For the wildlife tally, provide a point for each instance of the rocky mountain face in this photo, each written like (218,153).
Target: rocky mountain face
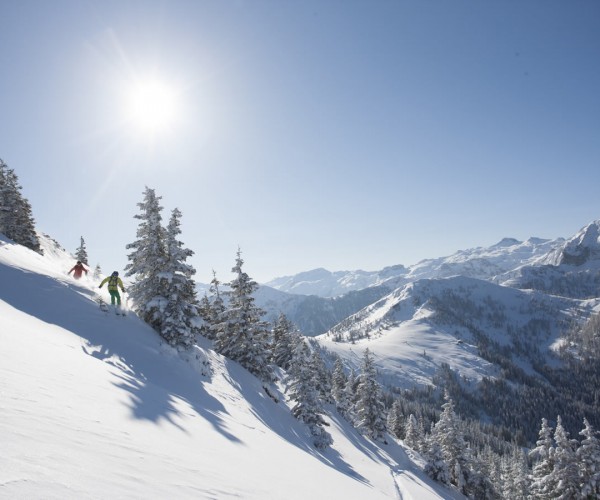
(571,270)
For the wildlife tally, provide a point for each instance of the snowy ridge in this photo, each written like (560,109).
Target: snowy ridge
(324,283)
(572,269)
(481,262)
(416,328)
(97,406)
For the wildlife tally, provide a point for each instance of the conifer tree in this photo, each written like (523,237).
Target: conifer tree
(16,219)
(339,380)
(369,408)
(395,420)
(181,309)
(322,376)
(97,272)
(213,311)
(204,311)
(565,475)
(412,436)
(303,392)
(588,457)
(543,456)
(448,434)
(81,252)
(242,335)
(147,262)
(436,466)
(515,473)
(351,396)
(283,341)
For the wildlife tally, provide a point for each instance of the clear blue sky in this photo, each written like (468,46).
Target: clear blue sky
(338,134)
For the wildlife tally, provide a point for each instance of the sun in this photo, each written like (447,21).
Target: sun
(152,106)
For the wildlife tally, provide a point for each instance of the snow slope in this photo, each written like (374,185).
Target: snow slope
(417,328)
(93,405)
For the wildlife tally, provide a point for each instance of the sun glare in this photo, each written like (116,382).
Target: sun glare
(152,106)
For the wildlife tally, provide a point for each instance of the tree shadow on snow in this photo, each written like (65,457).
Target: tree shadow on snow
(157,390)
(277,417)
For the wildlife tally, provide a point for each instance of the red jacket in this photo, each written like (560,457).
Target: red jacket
(79,269)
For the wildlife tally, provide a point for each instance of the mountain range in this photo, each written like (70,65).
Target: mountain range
(493,319)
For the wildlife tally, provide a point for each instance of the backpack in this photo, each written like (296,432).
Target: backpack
(113,281)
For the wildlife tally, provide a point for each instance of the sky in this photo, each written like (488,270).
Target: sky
(338,134)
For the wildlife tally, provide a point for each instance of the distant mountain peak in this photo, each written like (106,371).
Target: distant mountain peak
(583,247)
(507,242)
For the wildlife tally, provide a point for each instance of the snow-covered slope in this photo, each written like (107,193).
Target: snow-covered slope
(419,327)
(572,269)
(95,406)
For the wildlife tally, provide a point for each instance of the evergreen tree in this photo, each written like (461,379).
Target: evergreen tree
(565,474)
(369,406)
(515,473)
(148,261)
(97,272)
(543,456)
(303,392)
(283,342)
(339,380)
(322,376)
(351,396)
(204,311)
(395,420)
(213,311)
(181,308)
(412,436)
(16,219)
(448,434)
(436,466)
(588,456)
(242,336)
(81,253)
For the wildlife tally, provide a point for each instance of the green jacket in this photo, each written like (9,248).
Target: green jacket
(114,282)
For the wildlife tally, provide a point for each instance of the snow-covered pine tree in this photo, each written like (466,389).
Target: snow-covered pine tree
(369,408)
(565,475)
(212,311)
(181,310)
(588,457)
(515,476)
(395,420)
(16,219)
(351,396)
(97,272)
(436,466)
(242,335)
(448,434)
(339,380)
(81,252)
(147,262)
(322,376)
(543,457)
(412,435)
(204,311)
(483,475)
(303,392)
(283,342)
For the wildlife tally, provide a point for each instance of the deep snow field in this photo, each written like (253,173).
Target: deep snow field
(94,405)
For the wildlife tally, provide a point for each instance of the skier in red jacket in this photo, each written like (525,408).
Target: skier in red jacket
(78,270)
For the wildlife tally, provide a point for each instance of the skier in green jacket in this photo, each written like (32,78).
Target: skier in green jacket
(114,283)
